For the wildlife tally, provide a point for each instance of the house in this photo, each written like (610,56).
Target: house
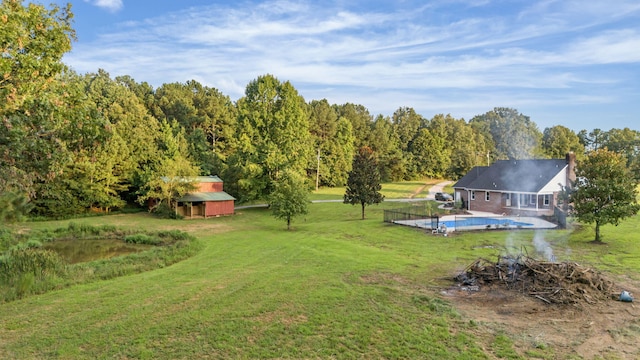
(516,187)
(209,199)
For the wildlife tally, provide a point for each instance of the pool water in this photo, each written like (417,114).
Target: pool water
(481,221)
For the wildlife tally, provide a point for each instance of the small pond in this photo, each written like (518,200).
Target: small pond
(82,250)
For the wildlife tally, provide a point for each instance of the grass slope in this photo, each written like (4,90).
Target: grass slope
(334,287)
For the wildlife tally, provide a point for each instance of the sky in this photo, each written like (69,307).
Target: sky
(573,63)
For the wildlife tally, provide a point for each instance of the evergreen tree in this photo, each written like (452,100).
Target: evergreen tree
(363,184)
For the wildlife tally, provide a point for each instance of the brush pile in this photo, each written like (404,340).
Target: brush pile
(551,282)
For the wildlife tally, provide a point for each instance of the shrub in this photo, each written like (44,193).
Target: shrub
(174,234)
(39,262)
(165,211)
(6,239)
(142,239)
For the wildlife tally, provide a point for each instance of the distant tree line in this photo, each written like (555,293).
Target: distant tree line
(70,143)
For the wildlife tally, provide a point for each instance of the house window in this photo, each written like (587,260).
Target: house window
(547,200)
(473,195)
(486,195)
(532,199)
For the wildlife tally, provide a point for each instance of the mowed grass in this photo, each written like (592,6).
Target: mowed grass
(393,190)
(333,287)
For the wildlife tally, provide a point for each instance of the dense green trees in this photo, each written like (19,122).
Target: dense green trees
(33,40)
(514,135)
(71,143)
(272,134)
(332,141)
(558,140)
(605,190)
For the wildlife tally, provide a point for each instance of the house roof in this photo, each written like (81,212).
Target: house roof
(206,196)
(513,175)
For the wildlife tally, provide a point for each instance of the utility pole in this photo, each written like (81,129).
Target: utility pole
(318,169)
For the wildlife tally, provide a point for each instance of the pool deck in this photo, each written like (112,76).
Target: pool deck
(537,223)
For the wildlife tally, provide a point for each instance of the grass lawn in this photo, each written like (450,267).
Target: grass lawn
(333,287)
(394,190)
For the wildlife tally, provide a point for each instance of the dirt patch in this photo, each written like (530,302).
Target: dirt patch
(607,329)
(198,226)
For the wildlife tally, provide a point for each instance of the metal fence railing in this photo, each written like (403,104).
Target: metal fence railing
(415,212)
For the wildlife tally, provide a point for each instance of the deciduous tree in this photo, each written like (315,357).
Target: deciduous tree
(559,140)
(273,135)
(515,136)
(604,191)
(290,197)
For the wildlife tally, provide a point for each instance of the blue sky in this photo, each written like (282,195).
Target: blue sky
(574,63)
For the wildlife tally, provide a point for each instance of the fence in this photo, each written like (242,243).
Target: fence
(415,212)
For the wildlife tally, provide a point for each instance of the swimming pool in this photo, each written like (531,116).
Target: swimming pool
(481,221)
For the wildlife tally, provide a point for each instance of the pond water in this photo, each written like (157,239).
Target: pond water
(77,251)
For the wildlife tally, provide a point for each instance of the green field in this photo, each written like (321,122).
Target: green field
(333,287)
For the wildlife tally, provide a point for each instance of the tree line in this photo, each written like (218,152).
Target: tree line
(72,143)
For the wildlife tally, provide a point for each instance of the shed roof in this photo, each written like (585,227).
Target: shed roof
(513,175)
(206,196)
(197,179)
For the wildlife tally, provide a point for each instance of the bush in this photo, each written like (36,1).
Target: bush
(174,234)
(6,239)
(142,239)
(39,262)
(165,211)
(85,230)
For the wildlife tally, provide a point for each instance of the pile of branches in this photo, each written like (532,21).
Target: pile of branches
(551,282)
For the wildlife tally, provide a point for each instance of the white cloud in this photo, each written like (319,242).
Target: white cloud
(384,59)
(110,5)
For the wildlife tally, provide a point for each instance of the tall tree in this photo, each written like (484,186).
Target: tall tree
(392,163)
(559,140)
(139,131)
(363,185)
(592,140)
(465,145)
(332,140)
(361,122)
(208,116)
(273,134)
(406,123)
(605,190)
(171,177)
(33,40)
(515,136)
(430,154)
(627,143)
(290,197)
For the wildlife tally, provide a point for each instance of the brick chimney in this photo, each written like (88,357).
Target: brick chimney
(571,168)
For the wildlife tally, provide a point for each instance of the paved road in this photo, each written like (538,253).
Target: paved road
(431,196)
